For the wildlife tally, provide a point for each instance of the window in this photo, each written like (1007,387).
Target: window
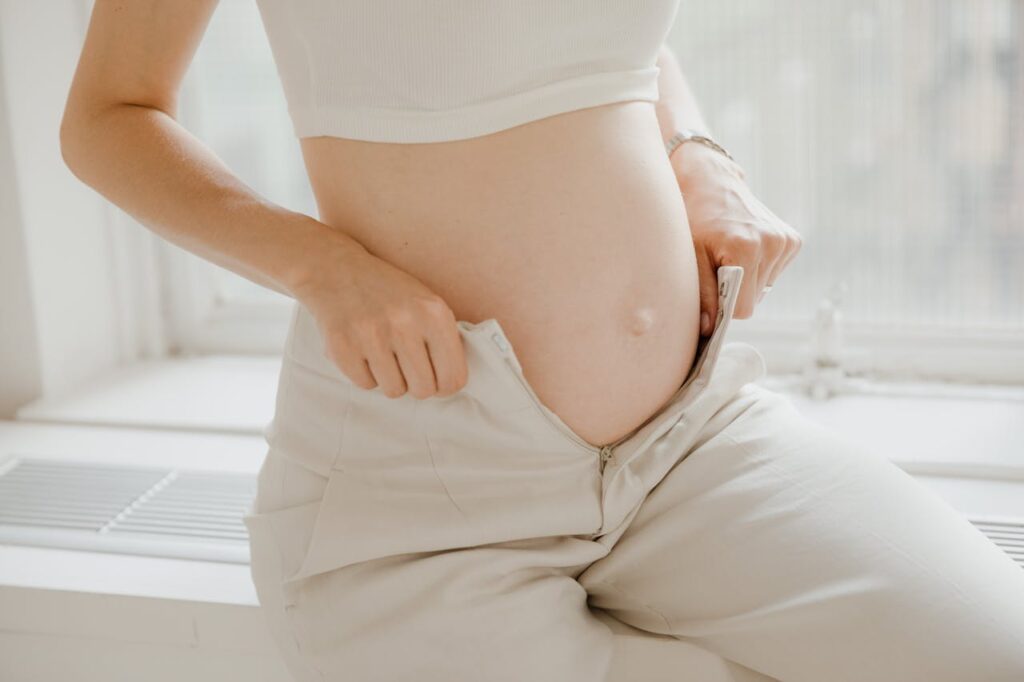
(232,100)
(888,132)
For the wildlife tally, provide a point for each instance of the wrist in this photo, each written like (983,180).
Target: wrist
(321,251)
(693,163)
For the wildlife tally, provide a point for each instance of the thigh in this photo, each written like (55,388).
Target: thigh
(783,547)
(505,612)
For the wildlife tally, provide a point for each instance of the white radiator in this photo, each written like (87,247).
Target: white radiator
(125,509)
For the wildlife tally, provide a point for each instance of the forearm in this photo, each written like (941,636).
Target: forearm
(145,162)
(676,109)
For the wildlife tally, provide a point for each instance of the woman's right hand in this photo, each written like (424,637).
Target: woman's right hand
(383,327)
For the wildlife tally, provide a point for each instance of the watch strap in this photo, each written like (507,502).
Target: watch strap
(688,135)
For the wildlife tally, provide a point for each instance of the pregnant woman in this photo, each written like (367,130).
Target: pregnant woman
(499,412)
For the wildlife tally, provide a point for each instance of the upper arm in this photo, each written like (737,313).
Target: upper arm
(136,52)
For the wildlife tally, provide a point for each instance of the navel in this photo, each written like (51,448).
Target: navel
(641,321)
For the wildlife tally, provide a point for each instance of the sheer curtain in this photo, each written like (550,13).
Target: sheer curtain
(889,133)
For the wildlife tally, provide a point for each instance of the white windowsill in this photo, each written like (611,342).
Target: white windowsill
(939,429)
(213,393)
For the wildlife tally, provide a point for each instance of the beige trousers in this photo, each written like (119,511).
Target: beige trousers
(476,538)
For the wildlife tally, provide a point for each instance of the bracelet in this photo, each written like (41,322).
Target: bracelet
(687,135)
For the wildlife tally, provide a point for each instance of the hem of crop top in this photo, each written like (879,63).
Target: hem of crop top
(404,126)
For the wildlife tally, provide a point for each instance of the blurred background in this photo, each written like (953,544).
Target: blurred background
(890,133)
(136,379)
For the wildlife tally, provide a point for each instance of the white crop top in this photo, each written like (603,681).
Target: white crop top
(435,70)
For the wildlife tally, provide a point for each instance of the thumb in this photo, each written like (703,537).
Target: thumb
(707,273)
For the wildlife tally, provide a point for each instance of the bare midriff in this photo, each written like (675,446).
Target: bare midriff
(569,230)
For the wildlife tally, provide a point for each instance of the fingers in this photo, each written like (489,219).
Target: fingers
(749,289)
(773,246)
(706,271)
(351,362)
(384,328)
(794,242)
(763,255)
(423,359)
(780,248)
(414,363)
(444,344)
(386,372)
(744,250)
(423,367)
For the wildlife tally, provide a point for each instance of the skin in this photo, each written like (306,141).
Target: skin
(594,251)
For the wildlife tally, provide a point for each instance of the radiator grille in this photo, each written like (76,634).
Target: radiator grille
(175,513)
(1008,534)
(125,509)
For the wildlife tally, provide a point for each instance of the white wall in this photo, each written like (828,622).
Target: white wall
(20,379)
(62,243)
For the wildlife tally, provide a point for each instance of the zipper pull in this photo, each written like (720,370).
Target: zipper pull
(499,341)
(606,453)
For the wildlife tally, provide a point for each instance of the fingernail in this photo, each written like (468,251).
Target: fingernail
(705,323)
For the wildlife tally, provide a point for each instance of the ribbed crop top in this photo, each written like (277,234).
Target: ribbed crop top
(436,70)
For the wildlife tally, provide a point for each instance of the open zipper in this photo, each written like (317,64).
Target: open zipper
(704,348)
(604,452)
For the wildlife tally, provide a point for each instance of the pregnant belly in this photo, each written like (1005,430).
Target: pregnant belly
(569,230)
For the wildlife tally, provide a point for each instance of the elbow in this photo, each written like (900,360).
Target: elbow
(88,128)
(70,140)
(78,128)
(65,151)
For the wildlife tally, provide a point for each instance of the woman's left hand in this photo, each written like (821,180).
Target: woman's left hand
(730,226)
